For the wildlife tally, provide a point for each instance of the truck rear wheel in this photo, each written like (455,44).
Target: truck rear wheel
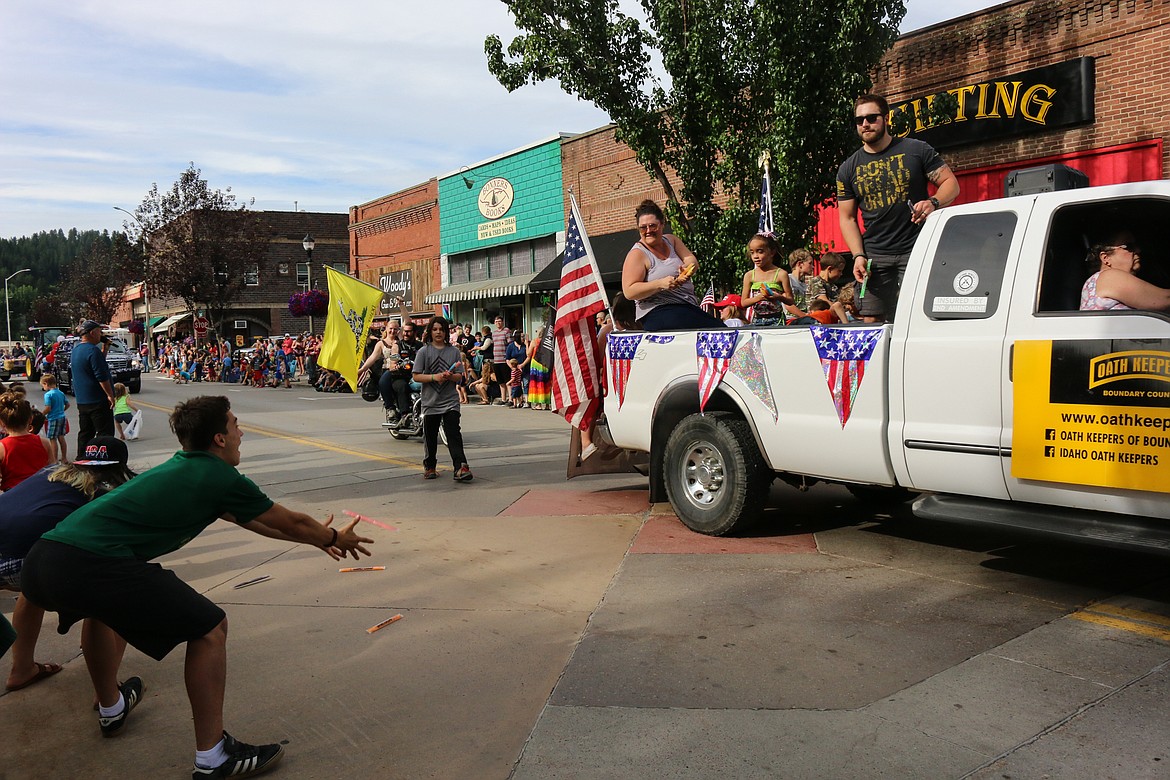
(715,477)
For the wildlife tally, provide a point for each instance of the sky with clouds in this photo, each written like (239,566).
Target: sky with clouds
(321,105)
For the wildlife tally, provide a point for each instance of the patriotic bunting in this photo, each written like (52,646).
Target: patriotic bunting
(655,339)
(844,353)
(621,349)
(713,350)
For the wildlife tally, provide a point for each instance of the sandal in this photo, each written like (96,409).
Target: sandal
(43,670)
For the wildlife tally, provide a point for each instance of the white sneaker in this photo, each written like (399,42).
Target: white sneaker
(588,452)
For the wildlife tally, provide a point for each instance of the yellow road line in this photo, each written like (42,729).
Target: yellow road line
(1132,614)
(1123,625)
(308,442)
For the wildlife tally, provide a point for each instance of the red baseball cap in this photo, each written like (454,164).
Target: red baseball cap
(730,300)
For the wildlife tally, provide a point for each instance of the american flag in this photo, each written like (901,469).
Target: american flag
(708,302)
(621,349)
(844,353)
(766,224)
(714,350)
(576,383)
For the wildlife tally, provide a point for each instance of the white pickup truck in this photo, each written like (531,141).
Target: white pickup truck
(991,399)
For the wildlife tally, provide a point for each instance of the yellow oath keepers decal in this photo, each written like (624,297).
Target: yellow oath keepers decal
(1093,412)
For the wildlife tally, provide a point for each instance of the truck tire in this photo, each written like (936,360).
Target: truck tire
(715,478)
(134,386)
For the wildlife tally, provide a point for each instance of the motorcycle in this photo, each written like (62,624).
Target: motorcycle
(410,424)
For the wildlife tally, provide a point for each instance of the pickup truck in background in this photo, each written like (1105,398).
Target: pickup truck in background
(125,364)
(992,399)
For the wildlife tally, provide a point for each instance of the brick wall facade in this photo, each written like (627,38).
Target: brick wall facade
(399,232)
(264,306)
(1129,40)
(607,180)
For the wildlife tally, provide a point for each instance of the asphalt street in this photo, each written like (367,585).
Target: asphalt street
(567,629)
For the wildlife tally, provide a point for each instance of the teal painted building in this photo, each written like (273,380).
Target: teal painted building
(501,221)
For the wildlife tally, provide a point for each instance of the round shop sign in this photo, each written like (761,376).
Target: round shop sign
(966,282)
(496,198)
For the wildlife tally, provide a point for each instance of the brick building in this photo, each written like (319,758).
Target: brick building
(502,222)
(261,308)
(394,244)
(609,183)
(1077,82)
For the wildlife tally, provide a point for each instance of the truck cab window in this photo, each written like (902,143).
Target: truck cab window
(1075,228)
(966,279)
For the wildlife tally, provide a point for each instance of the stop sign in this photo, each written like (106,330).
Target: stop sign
(201,324)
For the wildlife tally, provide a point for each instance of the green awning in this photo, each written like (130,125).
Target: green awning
(155,321)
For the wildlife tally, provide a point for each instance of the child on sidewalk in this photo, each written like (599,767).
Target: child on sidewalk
(55,405)
(123,409)
(515,381)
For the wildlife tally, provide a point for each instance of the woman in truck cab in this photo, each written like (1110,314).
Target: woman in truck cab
(1114,283)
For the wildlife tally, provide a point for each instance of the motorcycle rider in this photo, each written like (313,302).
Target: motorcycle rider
(400,370)
(395,350)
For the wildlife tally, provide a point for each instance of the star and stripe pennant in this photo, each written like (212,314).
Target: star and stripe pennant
(576,382)
(621,350)
(844,353)
(713,350)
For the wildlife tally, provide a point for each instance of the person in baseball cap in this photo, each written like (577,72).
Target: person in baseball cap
(731,310)
(103,451)
(33,508)
(87,326)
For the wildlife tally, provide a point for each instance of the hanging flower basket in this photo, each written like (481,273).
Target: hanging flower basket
(313,303)
(136,327)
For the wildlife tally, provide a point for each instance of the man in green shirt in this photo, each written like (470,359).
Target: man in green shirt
(95,566)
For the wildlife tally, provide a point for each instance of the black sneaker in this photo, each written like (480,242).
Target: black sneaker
(243,760)
(463,474)
(132,693)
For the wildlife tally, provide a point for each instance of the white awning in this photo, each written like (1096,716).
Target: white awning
(488,288)
(169,321)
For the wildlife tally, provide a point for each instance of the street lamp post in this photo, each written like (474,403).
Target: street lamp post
(150,356)
(308,244)
(7,315)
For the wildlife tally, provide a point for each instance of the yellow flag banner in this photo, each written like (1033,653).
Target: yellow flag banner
(353,304)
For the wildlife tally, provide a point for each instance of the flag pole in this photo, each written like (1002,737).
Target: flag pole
(767,224)
(355,278)
(588,248)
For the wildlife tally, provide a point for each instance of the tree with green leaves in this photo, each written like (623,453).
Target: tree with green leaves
(743,77)
(94,282)
(201,244)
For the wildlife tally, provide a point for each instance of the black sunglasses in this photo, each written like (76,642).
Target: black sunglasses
(871,118)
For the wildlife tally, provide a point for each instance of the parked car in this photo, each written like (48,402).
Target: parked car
(125,364)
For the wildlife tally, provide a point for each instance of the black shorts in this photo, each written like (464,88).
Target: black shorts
(149,606)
